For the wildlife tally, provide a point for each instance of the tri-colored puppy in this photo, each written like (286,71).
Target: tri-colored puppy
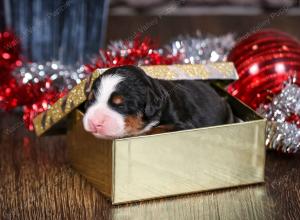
(124,101)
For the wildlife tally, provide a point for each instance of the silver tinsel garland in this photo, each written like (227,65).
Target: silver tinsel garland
(200,49)
(283,135)
(63,76)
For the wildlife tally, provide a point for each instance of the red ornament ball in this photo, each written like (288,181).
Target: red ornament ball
(264,61)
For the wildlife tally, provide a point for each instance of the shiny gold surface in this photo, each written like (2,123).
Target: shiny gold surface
(163,165)
(189,161)
(59,110)
(220,70)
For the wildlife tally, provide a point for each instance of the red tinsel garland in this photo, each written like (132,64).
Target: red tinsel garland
(138,52)
(33,97)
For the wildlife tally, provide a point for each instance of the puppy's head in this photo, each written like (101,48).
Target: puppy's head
(123,101)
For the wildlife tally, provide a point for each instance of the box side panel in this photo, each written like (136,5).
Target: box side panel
(189,161)
(90,156)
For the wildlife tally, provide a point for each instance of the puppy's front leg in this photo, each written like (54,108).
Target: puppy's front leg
(161,129)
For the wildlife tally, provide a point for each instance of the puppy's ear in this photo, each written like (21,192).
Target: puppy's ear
(89,93)
(154,103)
(88,85)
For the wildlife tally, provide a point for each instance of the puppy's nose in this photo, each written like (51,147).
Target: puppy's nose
(94,125)
(99,125)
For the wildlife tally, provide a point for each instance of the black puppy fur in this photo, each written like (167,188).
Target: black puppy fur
(180,104)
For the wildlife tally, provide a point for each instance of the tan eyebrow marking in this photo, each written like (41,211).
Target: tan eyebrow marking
(117,99)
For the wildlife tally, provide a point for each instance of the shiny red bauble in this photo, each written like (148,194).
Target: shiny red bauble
(264,61)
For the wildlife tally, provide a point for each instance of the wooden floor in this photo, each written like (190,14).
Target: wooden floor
(36,181)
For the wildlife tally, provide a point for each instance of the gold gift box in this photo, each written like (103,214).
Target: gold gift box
(168,164)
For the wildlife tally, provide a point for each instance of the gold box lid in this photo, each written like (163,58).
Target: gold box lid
(48,120)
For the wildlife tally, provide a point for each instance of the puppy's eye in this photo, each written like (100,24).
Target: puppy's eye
(117,99)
